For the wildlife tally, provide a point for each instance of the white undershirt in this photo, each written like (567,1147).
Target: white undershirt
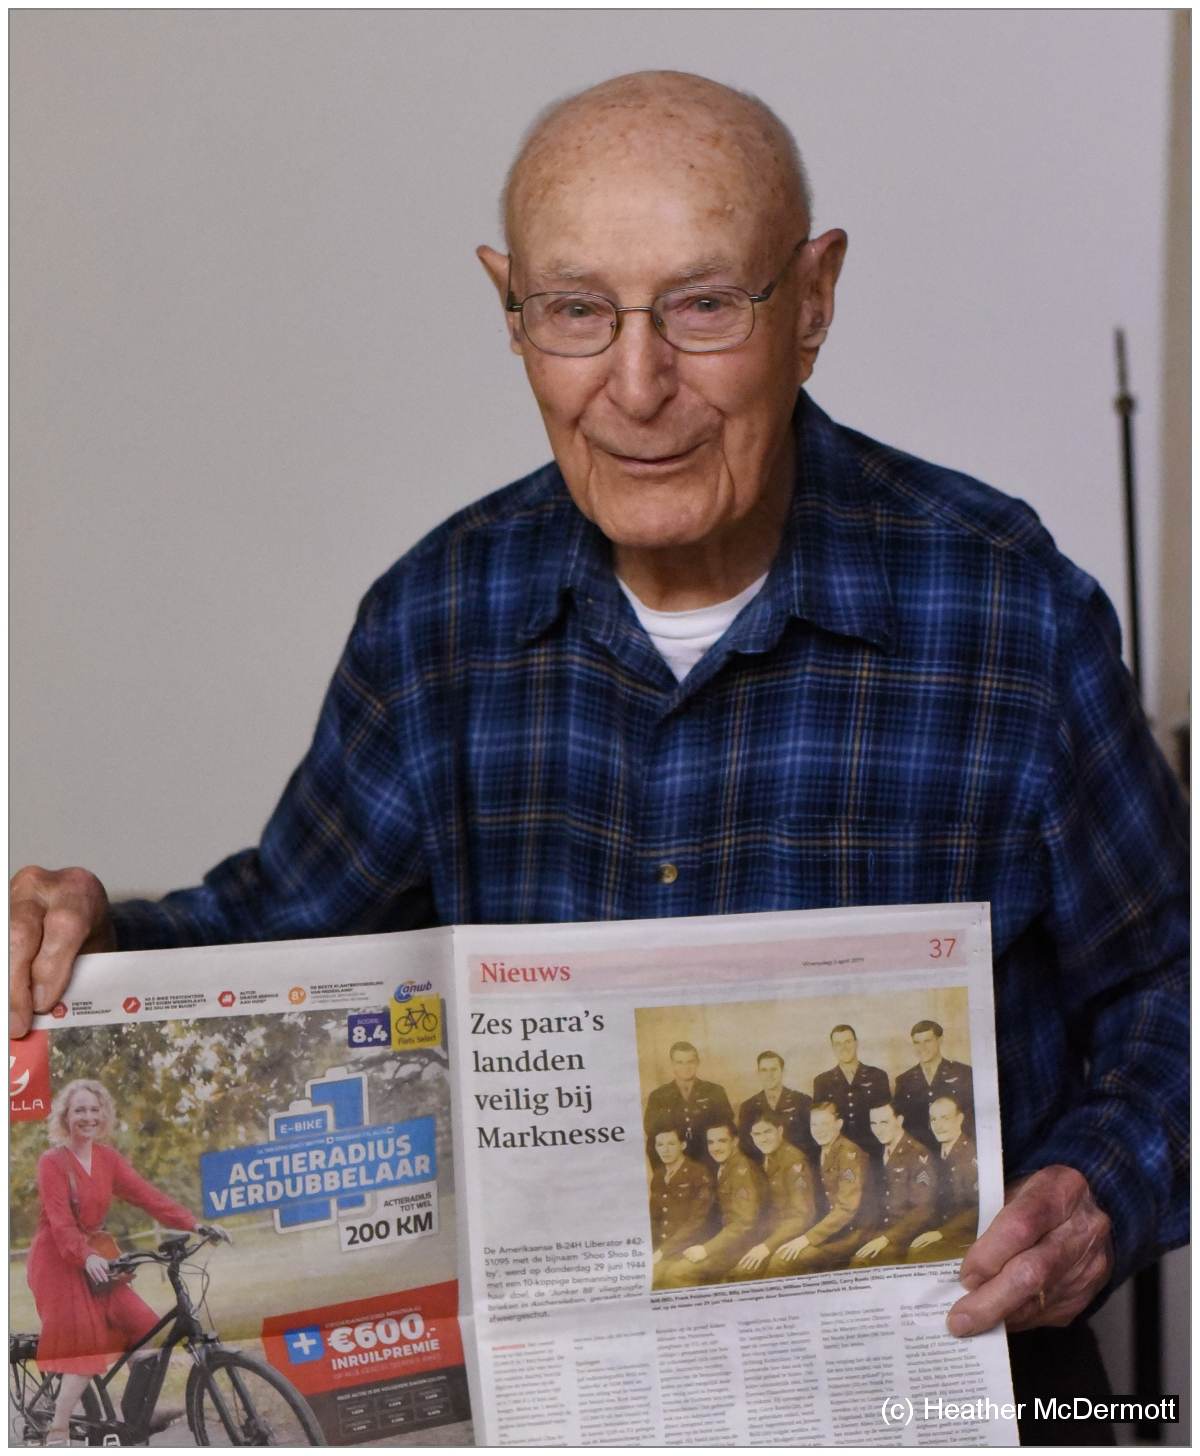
(684,637)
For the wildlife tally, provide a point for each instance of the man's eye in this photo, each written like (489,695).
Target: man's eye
(572,310)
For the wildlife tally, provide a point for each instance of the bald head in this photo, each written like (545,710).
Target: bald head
(701,124)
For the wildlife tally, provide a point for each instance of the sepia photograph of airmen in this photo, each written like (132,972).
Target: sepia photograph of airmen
(686,1102)
(741,1200)
(845,1170)
(957,1187)
(791,1207)
(874,1194)
(905,1203)
(792,1106)
(681,1197)
(853,1088)
(933,1076)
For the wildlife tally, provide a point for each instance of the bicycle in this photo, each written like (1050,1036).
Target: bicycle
(417,1018)
(232,1399)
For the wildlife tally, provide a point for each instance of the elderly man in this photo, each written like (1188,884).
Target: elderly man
(726,655)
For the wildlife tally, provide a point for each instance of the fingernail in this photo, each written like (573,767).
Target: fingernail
(960,1324)
(42,1000)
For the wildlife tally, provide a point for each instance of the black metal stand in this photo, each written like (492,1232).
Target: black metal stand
(1147,1285)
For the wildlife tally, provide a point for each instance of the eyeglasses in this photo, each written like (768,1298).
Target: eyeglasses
(696,320)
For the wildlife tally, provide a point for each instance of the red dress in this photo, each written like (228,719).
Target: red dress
(84,1332)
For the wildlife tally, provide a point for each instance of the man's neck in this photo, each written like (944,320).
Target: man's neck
(948,1147)
(931,1068)
(850,1071)
(686,1089)
(773,1095)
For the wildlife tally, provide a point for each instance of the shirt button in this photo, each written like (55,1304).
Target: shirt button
(667,874)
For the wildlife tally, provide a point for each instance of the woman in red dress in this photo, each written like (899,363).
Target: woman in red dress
(87,1320)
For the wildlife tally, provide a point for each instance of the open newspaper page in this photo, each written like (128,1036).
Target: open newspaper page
(293,1096)
(720,1174)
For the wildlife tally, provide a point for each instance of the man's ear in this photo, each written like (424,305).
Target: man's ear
(822,266)
(495,265)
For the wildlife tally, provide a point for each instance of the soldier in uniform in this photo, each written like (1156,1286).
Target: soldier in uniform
(853,1088)
(933,1076)
(681,1198)
(687,1102)
(844,1172)
(791,1195)
(958,1187)
(741,1198)
(794,1107)
(907,1191)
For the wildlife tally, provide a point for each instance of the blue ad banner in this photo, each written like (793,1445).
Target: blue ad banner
(297,1170)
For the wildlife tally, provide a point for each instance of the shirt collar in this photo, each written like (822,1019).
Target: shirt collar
(828,569)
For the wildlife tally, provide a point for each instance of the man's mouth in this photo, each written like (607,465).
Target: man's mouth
(646,461)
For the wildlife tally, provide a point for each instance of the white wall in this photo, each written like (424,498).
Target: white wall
(253,357)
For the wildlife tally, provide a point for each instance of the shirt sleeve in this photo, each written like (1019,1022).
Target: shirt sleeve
(1114,828)
(845,1203)
(133,1188)
(341,854)
(54,1190)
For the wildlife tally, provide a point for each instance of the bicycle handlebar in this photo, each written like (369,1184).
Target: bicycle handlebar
(170,1251)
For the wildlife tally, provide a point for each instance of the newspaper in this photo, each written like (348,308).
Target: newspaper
(577,1171)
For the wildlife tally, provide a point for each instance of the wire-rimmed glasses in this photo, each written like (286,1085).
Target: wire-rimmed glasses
(697,319)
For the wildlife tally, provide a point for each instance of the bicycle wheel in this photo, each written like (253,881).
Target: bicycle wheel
(31,1400)
(237,1400)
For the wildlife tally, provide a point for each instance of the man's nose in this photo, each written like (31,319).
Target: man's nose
(642,367)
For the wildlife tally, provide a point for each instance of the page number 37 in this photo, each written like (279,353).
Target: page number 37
(941,947)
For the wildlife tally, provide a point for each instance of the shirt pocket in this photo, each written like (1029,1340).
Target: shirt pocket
(831,861)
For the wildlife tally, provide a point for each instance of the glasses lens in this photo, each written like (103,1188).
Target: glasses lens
(569,323)
(702,319)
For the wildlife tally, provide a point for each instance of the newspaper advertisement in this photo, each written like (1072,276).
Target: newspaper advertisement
(682,1182)
(725,1200)
(292,1099)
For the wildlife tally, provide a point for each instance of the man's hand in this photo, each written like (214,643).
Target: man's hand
(793,1248)
(754,1259)
(54,915)
(923,1241)
(1046,1256)
(872,1247)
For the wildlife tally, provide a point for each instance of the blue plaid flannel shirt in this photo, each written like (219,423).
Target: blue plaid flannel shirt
(924,703)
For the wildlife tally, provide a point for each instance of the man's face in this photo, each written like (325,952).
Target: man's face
(661,448)
(770,1073)
(885,1125)
(684,1066)
(825,1127)
(927,1045)
(720,1143)
(845,1047)
(767,1136)
(945,1120)
(669,1148)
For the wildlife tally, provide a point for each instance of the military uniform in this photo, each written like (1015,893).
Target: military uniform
(679,1207)
(914,1093)
(845,1170)
(907,1199)
(854,1100)
(667,1106)
(957,1201)
(741,1199)
(791,1203)
(793,1107)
